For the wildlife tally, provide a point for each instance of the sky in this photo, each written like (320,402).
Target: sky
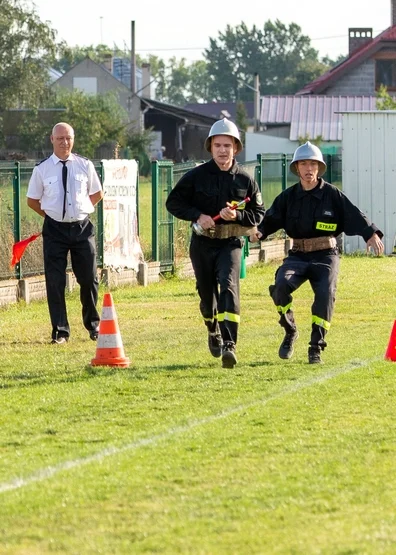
(182,29)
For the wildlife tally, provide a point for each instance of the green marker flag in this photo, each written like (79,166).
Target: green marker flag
(245,254)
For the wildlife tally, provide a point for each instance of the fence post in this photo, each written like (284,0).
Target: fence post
(154,210)
(17,212)
(170,183)
(259,172)
(330,168)
(284,172)
(100,231)
(137,198)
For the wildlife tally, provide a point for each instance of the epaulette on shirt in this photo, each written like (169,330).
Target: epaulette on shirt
(41,161)
(79,155)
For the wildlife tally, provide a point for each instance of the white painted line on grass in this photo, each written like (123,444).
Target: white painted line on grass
(50,471)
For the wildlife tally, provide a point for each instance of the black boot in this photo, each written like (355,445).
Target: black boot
(228,358)
(215,343)
(286,348)
(314,355)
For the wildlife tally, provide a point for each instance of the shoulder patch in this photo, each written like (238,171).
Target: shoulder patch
(41,161)
(259,199)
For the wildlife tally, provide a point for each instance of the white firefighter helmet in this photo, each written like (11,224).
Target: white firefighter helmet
(308,151)
(224,127)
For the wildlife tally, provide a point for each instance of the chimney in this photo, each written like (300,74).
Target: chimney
(146,78)
(358,36)
(108,62)
(393,12)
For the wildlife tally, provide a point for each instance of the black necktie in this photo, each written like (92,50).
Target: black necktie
(64,181)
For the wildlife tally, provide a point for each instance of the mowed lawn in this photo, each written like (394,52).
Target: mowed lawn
(177,455)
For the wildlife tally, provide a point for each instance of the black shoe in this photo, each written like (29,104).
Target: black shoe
(215,343)
(60,340)
(314,355)
(228,357)
(286,348)
(94,334)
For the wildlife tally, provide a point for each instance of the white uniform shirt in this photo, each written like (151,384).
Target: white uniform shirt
(46,186)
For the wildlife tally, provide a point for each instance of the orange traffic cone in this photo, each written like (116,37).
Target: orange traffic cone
(391,350)
(110,351)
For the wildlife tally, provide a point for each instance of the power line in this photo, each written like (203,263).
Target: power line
(170,49)
(175,49)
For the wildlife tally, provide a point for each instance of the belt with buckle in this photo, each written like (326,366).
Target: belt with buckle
(225,231)
(314,244)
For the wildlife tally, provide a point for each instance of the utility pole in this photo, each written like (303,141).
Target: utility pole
(133,59)
(256,103)
(101,29)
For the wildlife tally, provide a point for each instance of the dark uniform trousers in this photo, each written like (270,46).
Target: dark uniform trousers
(58,239)
(217,265)
(320,268)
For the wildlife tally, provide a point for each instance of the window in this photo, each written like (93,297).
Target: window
(86,84)
(385,74)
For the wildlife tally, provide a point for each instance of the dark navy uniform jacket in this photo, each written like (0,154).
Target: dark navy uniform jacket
(206,190)
(320,212)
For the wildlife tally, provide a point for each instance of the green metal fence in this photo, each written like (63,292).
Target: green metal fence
(170,237)
(18,221)
(275,175)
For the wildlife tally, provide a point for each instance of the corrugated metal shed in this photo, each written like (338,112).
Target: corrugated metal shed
(312,115)
(369,171)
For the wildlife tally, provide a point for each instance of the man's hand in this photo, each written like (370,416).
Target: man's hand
(376,244)
(206,222)
(228,213)
(255,237)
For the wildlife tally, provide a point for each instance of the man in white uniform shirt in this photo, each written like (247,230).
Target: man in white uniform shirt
(64,189)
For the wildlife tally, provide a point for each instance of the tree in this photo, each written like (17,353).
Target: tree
(384,100)
(198,87)
(27,48)
(281,54)
(138,145)
(95,119)
(179,83)
(318,140)
(306,71)
(69,56)
(33,131)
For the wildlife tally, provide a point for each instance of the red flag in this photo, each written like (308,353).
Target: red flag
(19,248)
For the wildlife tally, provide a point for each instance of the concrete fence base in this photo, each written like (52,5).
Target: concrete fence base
(33,288)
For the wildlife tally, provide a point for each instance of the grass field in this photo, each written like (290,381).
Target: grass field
(145,219)
(177,455)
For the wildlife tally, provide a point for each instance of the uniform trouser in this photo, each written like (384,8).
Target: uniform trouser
(217,266)
(59,239)
(321,270)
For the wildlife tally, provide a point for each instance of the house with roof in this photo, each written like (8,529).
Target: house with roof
(314,111)
(178,133)
(93,78)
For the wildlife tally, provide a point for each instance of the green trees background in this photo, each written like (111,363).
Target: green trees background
(281,55)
